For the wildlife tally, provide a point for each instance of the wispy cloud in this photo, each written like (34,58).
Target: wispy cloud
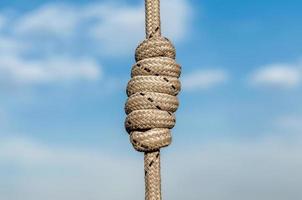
(11,46)
(177,18)
(204,79)
(15,69)
(25,62)
(42,45)
(66,173)
(290,123)
(277,75)
(111,28)
(118,23)
(49,20)
(267,169)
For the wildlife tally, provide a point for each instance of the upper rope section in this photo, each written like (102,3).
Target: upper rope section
(153,87)
(152,12)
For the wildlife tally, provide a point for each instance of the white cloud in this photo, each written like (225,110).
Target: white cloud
(176,19)
(11,46)
(121,28)
(277,75)
(47,32)
(30,153)
(113,28)
(18,70)
(266,169)
(66,173)
(204,79)
(57,19)
(290,123)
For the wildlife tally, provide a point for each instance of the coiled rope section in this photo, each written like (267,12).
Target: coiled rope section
(152,98)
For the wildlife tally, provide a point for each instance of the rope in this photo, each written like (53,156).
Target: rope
(152,98)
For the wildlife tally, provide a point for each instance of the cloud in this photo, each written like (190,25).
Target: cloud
(177,19)
(111,28)
(66,173)
(24,152)
(233,170)
(16,69)
(33,42)
(11,46)
(284,76)
(290,123)
(204,79)
(120,28)
(55,19)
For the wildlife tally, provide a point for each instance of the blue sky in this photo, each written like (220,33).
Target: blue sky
(64,66)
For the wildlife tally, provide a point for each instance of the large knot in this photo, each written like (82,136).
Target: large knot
(152,94)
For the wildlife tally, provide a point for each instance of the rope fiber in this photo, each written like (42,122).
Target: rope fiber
(152,98)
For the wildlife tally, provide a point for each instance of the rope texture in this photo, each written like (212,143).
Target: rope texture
(152,98)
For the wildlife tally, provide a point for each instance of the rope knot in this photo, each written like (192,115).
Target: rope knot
(152,100)
(155,47)
(152,94)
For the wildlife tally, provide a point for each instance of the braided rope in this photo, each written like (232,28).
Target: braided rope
(152,98)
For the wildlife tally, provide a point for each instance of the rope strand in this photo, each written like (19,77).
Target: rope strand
(152,98)
(152,17)
(152,176)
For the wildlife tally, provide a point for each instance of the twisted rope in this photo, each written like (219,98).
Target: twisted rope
(152,98)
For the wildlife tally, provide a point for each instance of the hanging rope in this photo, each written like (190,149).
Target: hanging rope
(152,98)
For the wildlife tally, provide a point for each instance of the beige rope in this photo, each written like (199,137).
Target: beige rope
(152,98)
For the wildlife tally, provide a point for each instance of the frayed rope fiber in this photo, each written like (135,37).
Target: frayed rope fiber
(152,98)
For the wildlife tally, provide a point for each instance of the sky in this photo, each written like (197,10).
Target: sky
(64,67)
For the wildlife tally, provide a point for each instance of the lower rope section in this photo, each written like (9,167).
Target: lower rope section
(152,175)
